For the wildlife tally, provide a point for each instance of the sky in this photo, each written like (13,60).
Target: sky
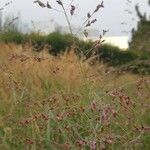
(110,17)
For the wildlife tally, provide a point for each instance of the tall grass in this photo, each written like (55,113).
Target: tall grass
(61,102)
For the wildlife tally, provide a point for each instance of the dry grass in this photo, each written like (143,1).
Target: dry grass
(62,103)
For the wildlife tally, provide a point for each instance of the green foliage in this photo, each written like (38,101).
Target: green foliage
(142,55)
(74,107)
(12,36)
(36,39)
(137,67)
(59,42)
(141,37)
(84,46)
(114,56)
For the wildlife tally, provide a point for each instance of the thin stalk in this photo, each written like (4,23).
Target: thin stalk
(70,4)
(82,26)
(67,19)
(57,10)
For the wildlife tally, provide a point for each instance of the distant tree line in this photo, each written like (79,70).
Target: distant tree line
(141,36)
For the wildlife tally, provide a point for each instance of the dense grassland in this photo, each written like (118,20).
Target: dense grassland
(61,102)
(56,43)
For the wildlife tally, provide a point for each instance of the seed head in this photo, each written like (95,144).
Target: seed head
(59,2)
(48,5)
(40,3)
(85,33)
(72,10)
(105,31)
(93,21)
(99,6)
(88,15)
(88,24)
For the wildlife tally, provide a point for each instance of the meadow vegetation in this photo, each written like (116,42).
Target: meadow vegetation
(57,43)
(59,92)
(64,103)
(141,36)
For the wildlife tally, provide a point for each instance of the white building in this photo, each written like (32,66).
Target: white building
(119,41)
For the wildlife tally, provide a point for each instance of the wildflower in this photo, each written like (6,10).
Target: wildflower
(81,143)
(109,140)
(67,146)
(145,129)
(92,145)
(29,141)
(106,114)
(44,117)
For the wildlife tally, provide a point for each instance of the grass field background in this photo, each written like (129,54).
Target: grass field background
(61,102)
